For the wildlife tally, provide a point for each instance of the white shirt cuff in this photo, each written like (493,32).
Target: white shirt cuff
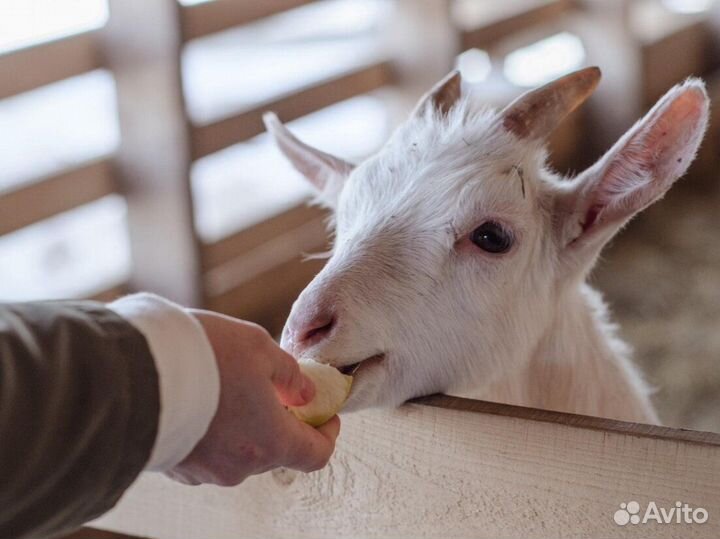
(188,375)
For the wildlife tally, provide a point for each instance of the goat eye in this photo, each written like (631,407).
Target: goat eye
(492,237)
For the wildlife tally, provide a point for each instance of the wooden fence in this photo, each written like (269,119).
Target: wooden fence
(160,141)
(450,467)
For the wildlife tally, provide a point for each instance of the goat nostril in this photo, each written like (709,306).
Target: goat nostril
(317,329)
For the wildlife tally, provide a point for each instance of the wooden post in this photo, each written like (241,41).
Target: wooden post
(617,102)
(423,44)
(142,44)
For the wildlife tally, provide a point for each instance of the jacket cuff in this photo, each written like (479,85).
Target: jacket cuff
(189,380)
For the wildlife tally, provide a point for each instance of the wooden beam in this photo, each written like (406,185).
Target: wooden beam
(222,251)
(602,424)
(272,252)
(211,138)
(603,27)
(424,41)
(110,294)
(142,44)
(44,198)
(449,467)
(262,284)
(266,298)
(31,67)
(523,15)
(210,17)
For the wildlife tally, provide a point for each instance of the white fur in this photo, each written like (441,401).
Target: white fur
(521,327)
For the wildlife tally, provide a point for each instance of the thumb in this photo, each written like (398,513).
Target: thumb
(293,387)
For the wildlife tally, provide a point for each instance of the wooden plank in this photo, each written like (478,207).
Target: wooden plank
(603,28)
(266,299)
(521,17)
(222,251)
(216,136)
(41,199)
(111,293)
(142,44)
(210,17)
(447,467)
(31,67)
(424,40)
(602,424)
(307,238)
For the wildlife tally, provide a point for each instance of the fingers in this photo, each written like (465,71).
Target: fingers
(310,449)
(293,387)
(331,429)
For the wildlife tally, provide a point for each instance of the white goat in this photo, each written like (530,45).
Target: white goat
(459,260)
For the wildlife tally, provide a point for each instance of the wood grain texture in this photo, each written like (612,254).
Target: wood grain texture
(207,18)
(216,136)
(46,197)
(225,250)
(142,45)
(310,237)
(31,67)
(447,467)
(529,14)
(110,294)
(266,299)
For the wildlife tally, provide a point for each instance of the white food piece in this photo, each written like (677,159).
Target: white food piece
(331,391)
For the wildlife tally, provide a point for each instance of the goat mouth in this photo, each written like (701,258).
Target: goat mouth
(352,370)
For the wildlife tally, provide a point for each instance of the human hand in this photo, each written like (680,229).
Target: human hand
(251,431)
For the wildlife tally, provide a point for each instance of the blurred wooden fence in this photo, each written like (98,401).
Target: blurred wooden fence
(142,43)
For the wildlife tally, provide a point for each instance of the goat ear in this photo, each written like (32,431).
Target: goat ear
(442,96)
(324,171)
(536,114)
(636,171)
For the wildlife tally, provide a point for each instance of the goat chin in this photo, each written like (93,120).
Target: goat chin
(371,388)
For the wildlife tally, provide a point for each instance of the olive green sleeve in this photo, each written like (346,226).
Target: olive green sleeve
(79,408)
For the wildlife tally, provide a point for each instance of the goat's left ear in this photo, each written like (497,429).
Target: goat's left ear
(325,172)
(634,173)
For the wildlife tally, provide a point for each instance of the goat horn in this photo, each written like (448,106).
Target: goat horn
(537,113)
(443,95)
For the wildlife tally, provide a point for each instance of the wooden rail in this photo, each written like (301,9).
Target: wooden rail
(38,200)
(111,293)
(273,252)
(29,68)
(449,467)
(262,283)
(207,18)
(528,14)
(222,251)
(219,135)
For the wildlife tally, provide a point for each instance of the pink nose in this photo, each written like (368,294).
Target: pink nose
(307,330)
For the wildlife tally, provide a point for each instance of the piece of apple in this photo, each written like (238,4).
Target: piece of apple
(331,391)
